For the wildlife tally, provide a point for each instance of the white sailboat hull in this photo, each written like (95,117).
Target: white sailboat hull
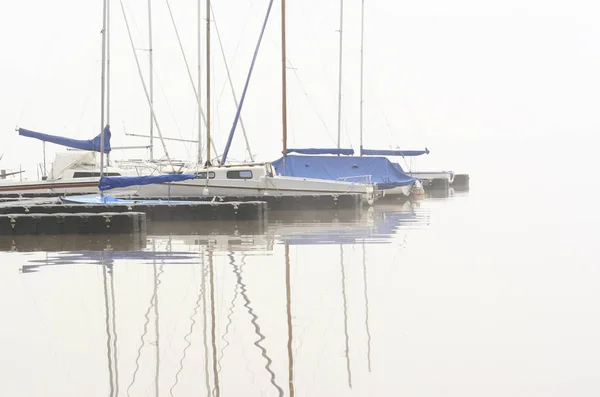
(264,186)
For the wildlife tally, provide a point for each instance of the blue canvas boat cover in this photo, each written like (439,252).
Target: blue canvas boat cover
(403,153)
(112,182)
(89,144)
(346,152)
(352,169)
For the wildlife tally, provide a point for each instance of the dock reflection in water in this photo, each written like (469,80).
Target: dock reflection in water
(274,309)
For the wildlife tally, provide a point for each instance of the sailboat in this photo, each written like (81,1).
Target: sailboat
(74,172)
(430,179)
(341,163)
(251,179)
(78,174)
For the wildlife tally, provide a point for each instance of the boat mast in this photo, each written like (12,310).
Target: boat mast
(362,41)
(199,98)
(151,79)
(102,88)
(283,82)
(339,125)
(207,81)
(107,72)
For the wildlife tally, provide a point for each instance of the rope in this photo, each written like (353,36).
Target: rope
(162,91)
(231,83)
(187,67)
(137,62)
(239,110)
(302,87)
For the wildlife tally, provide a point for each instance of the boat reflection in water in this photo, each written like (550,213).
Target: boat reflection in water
(250,311)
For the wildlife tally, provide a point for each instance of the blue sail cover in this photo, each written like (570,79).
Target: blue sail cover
(112,182)
(346,152)
(382,171)
(90,144)
(403,153)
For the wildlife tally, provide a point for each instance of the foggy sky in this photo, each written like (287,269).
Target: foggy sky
(453,76)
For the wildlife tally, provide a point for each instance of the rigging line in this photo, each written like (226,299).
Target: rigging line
(239,109)
(241,266)
(391,131)
(392,134)
(204,330)
(236,270)
(137,61)
(142,342)
(257,331)
(189,342)
(302,87)
(231,83)
(91,82)
(309,24)
(305,92)
(108,335)
(364,257)
(187,67)
(133,22)
(347,338)
(162,91)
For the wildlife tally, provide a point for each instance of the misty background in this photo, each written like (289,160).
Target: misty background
(489,87)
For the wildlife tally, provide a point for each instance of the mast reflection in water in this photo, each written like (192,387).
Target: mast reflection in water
(218,314)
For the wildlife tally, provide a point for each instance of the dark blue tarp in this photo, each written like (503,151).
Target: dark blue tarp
(346,152)
(90,144)
(353,169)
(112,182)
(407,153)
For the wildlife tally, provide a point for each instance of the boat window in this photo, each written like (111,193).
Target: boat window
(82,174)
(243,174)
(202,175)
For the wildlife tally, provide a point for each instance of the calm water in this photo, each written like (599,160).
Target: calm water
(477,294)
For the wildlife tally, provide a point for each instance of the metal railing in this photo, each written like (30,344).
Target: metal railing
(367,179)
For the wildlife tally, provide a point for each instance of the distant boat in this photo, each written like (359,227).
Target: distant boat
(379,171)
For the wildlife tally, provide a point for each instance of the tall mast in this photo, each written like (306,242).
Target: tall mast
(199,98)
(151,79)
(107,71)
(339,125)
(362,42)
(283,80)
(102,88)
(208,80)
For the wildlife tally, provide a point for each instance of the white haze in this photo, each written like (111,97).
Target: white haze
(464,78)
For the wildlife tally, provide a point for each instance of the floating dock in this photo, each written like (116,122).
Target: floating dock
(159,211)
(72,223)
(460,182)
(77,242)
(302,202)
(295,203)
(442,180)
